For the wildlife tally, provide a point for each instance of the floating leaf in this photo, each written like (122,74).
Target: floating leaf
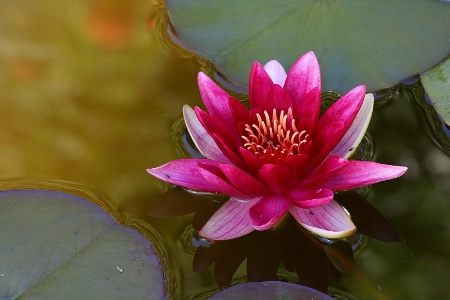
(377,43)
(54,245)
(177,201)
(437,85)
(340,254)
(368,220)
(270,290)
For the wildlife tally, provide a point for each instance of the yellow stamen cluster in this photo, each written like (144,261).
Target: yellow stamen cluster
(274,136)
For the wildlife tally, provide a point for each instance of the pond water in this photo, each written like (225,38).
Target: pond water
(80,103)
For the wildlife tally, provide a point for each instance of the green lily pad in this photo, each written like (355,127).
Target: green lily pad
(55,245)
(437,85)
(376,43)
(270,290)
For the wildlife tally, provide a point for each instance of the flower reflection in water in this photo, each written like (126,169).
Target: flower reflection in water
(285,249)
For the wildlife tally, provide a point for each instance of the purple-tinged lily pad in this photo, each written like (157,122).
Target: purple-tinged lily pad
(376,43)
(270,290)
(55,245)
(437,85)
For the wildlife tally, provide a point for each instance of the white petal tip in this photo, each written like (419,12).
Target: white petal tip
(276,72)
(369,97)
(331,234)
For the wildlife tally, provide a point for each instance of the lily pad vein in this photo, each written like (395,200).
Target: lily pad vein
(80,250)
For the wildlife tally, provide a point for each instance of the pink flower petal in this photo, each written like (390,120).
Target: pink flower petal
(280,100)
(225,139)
(216,178)
(324,172)
(204,142)
(268,211)
(276,177)
(276,72)
(329,221)
(234,156)
(348,144)
(185,172)
(360,173)
(215,99)
(239,111)
(243,181)
(259,88)
(296,164)
(344,110)
(310,198)
(213,124)
(303,84)
(230,221)
(252,162)
(324,140)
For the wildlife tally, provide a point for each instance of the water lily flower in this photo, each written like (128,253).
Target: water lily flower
(280,156)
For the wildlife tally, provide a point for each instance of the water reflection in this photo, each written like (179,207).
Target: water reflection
(287,247)
(286,252)
(436,126)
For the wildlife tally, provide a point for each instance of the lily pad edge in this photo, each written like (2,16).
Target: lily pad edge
(100,200)
(167,35)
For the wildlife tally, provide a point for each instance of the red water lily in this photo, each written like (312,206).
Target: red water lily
(280,156)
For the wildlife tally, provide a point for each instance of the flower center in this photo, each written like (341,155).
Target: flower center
(274,136)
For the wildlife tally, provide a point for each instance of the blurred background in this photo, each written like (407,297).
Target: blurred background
(88,94)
